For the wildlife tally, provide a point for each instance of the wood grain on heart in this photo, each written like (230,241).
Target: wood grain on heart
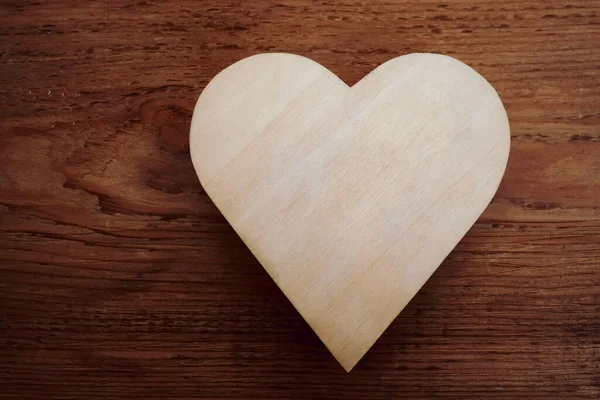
(350,197)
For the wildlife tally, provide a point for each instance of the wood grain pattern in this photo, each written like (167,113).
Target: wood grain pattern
(350,198)
(120,279)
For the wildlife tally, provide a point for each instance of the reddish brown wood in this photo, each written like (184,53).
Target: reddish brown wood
(119,277)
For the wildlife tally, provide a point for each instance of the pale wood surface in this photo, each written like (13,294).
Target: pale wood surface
(350,197)
(119,278)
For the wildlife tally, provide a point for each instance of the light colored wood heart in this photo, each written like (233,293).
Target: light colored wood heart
(350,197)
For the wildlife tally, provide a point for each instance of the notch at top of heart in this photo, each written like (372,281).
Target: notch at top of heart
(350,198)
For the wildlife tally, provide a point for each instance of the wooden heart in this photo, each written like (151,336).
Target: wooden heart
(350,197)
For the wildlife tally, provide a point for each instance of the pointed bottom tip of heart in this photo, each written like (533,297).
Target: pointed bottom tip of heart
(349,356)
(348,365)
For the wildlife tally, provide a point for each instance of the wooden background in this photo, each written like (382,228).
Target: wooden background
(119,277)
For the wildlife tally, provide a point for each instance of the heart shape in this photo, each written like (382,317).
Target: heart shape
(350,198)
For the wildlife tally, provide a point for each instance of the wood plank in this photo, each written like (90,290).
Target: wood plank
(120,278)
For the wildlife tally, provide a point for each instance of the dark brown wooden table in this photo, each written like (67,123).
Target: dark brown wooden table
(120,279)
